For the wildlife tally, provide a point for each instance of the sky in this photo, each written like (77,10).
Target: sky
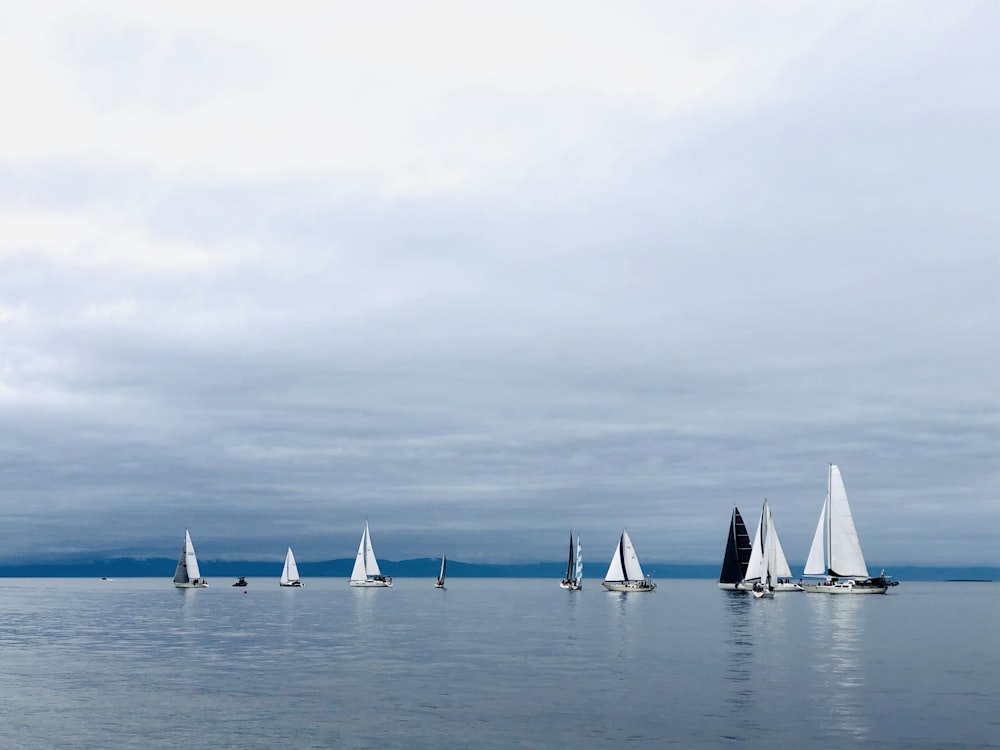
(483,274)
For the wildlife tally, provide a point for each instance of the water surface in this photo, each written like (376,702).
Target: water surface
(490,663)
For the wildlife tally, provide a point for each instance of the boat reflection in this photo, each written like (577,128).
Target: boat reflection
(839,622)
(738,653)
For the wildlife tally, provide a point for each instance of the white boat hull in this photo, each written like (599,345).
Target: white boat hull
(570,585)
(849,586)
(200,584)
(786,587)
(292,585)
(630,586)
(385,583)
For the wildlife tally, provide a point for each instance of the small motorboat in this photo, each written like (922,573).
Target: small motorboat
(241,581)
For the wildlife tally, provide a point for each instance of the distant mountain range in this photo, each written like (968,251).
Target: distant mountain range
(425,567)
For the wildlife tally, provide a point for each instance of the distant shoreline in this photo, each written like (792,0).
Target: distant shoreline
(428,568)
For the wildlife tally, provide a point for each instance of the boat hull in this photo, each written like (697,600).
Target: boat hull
(629,587)
(199,584)
(849,586)
(570,585)
(292,585)
(735,586)
(373,583)
(780,588)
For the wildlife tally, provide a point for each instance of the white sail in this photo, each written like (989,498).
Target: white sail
(846,558)
(371,564)
(625,573)
(816,562)
(625,563)
(836,549)
(444,568)
(578,572)
(755,567)
(767,557)
(781,569)
(360,573)
(289,573)
(187,564)
(187,573)
(366,570)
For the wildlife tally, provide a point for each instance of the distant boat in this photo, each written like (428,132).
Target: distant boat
(366,571)
(625,572)
(290,573)
(835,554)
(439,584)
(241,581)
(187,575)
(768,565)
(734,564)
(574,566)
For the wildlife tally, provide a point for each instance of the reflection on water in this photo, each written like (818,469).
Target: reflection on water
(738,652)
(839,625)
(625,609)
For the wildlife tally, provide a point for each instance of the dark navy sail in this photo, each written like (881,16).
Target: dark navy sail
(734,564)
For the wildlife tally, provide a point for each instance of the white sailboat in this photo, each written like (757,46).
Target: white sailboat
(760,570)
(574,567)
(768,565)
(835,554)
(439,583)
(290,573)
(187,575)
(625,572)
(366,571)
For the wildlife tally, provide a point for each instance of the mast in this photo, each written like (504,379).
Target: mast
(828,547)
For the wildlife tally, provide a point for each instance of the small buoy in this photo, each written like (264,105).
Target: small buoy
(245,593)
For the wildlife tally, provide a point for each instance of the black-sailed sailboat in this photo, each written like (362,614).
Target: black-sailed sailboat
(738,547)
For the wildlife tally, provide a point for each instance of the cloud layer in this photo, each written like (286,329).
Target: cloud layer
(485,275)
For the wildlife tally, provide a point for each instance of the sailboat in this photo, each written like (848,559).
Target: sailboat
(762,565)
(734,564)
(574,567)
(439,583)
(835,554)
(290,573)
(187,575)
(768,565)
(625,572)
(366,571)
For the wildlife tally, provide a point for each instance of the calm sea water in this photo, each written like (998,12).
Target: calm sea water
(494,664)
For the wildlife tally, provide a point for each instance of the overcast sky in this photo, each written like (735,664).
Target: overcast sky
(485,274)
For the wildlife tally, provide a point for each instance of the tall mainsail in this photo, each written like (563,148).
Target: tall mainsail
(187,563)
(365,565)
(291,570)
(846,558)
(836,549)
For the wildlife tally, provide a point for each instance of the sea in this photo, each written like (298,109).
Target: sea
(494,663)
